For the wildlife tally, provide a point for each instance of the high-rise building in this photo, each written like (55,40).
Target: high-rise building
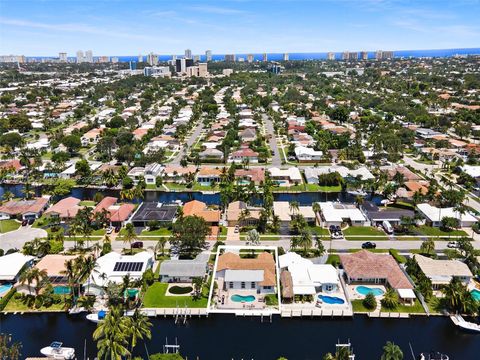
(345,55)
(188,54)
(157,71)
(196,58)
(208,55)
(114,59)
(230,58)
(250,58)
(174,58)
(89,56)
(286,57)
(180,65)
(386,55)
(199,70)
(363,55)
(13,59)
(140,58)
(80,57)
(330,56)
(104,59)
(378,55)
(152,59)
(62,57)
(265,57)
(352,55)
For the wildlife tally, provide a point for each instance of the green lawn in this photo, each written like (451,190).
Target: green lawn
(99,232)
(155,298)
(317,230)
(363,230)
(416,308)
(333,258)
(158,232)
(357,306)
(9,225)
(20,305)
(315,187)
(434,231)
(87,203)
(175,186)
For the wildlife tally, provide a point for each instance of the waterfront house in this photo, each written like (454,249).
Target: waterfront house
(207,176)
(200,209)
(365,267)
(285,212)
(154,211)
(239,213)
(11,265)
(337,213)
(434,215)
(312,173)
(177,173)
(255,275)
(246,176)
(64,209)
(184,271)
(24,209)
(113,267)
(242,155)
(118,214)
(441,272)
(309,278)
(136,173)
(285,177)
(152,171)
(377,215)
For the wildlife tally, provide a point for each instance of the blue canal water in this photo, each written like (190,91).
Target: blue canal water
(226,337)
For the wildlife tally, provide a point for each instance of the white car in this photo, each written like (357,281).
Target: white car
(109,229)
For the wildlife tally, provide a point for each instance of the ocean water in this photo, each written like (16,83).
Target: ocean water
(316,55)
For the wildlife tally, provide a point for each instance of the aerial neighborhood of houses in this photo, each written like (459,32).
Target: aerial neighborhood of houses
(182,190)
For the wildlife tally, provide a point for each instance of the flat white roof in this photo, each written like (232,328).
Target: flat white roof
(11,264)
(337,212)
(435,214)
(244,275)
(406,294)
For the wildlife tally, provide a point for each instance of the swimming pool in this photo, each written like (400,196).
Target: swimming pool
(242,298)
(5,288)
(364,290)
(331,299)
(476,294)
(61,290)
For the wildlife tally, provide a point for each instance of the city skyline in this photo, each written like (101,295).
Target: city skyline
(45,28)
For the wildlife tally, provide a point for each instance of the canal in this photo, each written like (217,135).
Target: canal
(227,337)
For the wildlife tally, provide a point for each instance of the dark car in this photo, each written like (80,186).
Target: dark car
(369,245)
(31,221)
(137,245)
(24,222)
(117,228)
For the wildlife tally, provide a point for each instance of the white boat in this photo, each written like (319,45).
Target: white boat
(357,192)
(433,356)
(57,351)
(76,310)
(459,321)
(97,317)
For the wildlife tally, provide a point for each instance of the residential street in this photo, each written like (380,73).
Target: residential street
(191,140)
(276,160)
(16,239)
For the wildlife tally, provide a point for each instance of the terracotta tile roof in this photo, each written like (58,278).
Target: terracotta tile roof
(367,265)
(257,175)
(200,209)
(264,261)
(209,171)
(235,209)
(417,186)
(54,264)
(20,207)
(11,164)
(121,213)
(105,204)
(65,208)
(246,152)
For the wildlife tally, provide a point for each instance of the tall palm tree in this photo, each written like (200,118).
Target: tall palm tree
(129,236)
(305,241)
(316,208)
(293,206)
(34,275)
(112,336)
(392,352)
(139,328)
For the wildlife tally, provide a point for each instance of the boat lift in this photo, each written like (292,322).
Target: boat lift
(171,349)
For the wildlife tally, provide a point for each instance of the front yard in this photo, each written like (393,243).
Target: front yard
(8,225)
(364,233)
(155,298)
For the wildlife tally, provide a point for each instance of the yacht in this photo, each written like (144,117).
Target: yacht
(56,351)
(97,317)
(433,355)
(465,325)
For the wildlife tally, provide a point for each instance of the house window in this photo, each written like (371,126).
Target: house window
(252,285)
(230,285)
(243,285)
(267,287)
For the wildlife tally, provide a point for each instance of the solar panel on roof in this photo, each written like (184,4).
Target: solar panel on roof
(128,266)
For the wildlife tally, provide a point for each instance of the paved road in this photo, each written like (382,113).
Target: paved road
(427,169)
(16,239)
(276,160)
(191,140)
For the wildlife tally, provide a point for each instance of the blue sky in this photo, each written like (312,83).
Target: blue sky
(118,27)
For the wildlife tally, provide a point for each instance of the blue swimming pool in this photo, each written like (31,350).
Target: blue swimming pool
(5,288)
(61,290)
(331,299)
(476,294)
(364,290)
(242,298)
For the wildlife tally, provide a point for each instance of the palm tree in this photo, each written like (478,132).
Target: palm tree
(129,236)
(112,336)
(109,178)
(34,275)
(8,195)
(390,299)
(161,245)
(428,246)
(70,272)
(304,241)
(293,206)
(139,328)
(316,208)
(253,237)
(392,352)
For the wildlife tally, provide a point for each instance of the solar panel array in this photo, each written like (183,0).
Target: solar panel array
(128,266)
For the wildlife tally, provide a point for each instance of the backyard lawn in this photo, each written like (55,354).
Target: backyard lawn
(155,298)
(17,304)
(8,225)
(416,308)
(357,306)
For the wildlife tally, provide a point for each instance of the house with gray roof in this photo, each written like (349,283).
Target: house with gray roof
(183,270)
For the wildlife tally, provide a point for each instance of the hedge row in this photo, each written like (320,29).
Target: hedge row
(4,300)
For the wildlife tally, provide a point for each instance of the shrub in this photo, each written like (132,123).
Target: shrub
(180,290)
(149,277)
(399,258)
(370,302)
(271,299)
(56,247)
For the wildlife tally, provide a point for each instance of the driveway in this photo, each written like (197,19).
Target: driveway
(232,235)
(17,238)
(190,141)
(276,160)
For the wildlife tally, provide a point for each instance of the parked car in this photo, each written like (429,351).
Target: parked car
(24,222)
(31,221)
(237,229)
(137,245)
(453,245)
(387,227)
(109,229)
(369,245)
(117,228)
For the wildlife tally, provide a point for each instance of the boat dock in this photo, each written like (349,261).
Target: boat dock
(175,312)
(289,313)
